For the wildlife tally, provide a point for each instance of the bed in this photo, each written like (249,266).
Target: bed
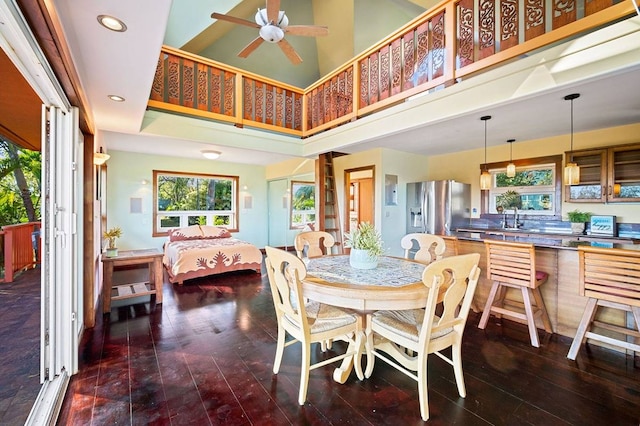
(198,251)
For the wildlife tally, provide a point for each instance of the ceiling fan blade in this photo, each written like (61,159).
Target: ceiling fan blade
(290,52)
(249,48)
(273,9)
(234,20)
(307,30)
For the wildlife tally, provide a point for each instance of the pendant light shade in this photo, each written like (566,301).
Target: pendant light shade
(571,169)
(511,168)
(485,176)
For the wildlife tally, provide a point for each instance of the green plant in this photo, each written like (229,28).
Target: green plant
(365,237)
(111,235)
(577,216)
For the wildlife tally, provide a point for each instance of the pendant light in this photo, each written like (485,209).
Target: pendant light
(485,176)
(571,170)
(511,168)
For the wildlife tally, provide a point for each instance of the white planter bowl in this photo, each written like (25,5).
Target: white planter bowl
(360,259)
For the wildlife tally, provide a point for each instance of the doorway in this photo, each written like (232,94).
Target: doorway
(360,196)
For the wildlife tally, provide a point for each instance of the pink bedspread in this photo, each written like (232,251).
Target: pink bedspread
(189,259)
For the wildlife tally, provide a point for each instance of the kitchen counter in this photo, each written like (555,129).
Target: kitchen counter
(546,239)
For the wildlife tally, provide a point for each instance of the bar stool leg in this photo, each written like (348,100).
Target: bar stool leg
(531,321)
(537,295)
(587,317)
(487,307)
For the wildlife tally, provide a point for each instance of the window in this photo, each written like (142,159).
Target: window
(303,204)
(535,189)
(183,199)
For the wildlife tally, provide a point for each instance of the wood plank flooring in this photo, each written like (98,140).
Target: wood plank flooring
(205,357)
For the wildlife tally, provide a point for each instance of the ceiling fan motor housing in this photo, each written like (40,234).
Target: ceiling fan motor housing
(271,31)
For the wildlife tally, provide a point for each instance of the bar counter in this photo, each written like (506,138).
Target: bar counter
(557,255)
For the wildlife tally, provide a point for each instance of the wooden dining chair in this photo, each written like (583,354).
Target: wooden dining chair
(512,265)
(452,280)
(318,243)
(430,247)
(306,321)
(609,278)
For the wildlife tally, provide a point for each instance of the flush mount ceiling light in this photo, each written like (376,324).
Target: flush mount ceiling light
(511,168)
(112,23)
(485,177)
(211,155)
(571,170)
(99,158)
(116,98)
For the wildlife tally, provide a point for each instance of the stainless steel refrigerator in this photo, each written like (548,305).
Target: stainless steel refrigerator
(437,207)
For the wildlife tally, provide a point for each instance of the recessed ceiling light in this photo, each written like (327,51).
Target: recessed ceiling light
(114,24)
(116,98)
(211,155)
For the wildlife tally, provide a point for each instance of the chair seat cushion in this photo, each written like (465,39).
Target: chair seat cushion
(541,276)
(323,317)
(406,323)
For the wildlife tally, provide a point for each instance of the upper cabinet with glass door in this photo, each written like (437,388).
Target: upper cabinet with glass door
(606,175)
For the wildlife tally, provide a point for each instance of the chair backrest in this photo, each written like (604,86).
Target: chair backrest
(285,272)
(318,243)
(431,247)
(610,274)
(511,263)
(457,277)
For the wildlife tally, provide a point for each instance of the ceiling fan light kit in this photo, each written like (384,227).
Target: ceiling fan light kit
(272,24)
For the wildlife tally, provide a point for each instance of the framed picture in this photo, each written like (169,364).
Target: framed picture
(603,225)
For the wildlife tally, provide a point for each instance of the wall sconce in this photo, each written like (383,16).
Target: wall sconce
(485,176)
(571,170)
(511,168)
(99,158)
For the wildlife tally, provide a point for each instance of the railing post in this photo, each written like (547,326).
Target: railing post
(8,256)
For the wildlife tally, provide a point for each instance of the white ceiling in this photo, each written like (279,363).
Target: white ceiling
(525,98)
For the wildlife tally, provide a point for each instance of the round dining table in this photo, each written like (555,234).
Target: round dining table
(395,284)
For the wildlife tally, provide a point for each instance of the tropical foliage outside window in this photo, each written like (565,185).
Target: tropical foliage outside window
(183,199)
(303,204)
(534,185)
(20,189)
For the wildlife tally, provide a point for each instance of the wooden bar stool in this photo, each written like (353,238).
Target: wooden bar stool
(512,265)
(609,278)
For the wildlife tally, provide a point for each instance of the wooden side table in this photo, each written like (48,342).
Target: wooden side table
(152,257)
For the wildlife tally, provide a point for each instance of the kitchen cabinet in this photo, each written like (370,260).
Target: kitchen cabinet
(607,175)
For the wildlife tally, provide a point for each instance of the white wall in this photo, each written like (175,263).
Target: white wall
(127,170)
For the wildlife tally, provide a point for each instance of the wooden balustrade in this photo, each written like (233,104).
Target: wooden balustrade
(454,40)
(18,250)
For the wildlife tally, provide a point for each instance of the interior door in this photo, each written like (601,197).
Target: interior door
(360,196)
(278,208)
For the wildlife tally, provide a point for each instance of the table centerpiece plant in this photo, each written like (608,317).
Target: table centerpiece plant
(111,235)
(366,246)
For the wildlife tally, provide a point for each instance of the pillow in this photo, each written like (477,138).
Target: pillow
(210,232)
(192,232)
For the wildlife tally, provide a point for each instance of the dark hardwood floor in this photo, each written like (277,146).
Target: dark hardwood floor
(19,347)
(205,357)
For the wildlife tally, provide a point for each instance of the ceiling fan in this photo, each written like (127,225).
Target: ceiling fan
(273,24)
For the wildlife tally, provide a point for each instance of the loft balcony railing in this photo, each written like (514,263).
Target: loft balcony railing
(19,249)
(454,40)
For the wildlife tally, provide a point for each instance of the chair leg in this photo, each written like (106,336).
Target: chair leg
(304,373)
(423,396)
(531,322)
(537,295)
(368,346)
(487,307)
(279,349)
(585,322)
(456,357)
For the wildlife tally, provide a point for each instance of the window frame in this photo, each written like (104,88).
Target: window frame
(292,192)
(500,166)
(158,231)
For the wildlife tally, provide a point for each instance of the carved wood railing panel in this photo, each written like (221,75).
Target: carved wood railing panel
(453,41)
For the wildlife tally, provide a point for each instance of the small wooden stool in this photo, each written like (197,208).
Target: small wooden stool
(512,265)
(609,278)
